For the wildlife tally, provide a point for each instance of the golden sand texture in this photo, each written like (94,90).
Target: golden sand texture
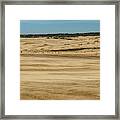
(60,69)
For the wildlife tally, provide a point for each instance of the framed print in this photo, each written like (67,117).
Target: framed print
(60,59)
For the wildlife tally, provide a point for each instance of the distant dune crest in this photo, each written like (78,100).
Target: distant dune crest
(79,44)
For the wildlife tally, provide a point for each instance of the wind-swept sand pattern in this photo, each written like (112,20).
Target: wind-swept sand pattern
(60,68)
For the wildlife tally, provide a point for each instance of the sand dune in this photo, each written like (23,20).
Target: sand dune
(65,68)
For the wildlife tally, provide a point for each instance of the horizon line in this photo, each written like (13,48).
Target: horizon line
(59,33)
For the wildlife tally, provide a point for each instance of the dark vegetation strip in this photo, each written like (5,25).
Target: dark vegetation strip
(75,49)
(60,35)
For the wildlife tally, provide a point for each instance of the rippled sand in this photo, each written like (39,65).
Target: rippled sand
(55,69)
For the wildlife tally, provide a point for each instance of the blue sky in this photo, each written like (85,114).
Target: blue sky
(59,26)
